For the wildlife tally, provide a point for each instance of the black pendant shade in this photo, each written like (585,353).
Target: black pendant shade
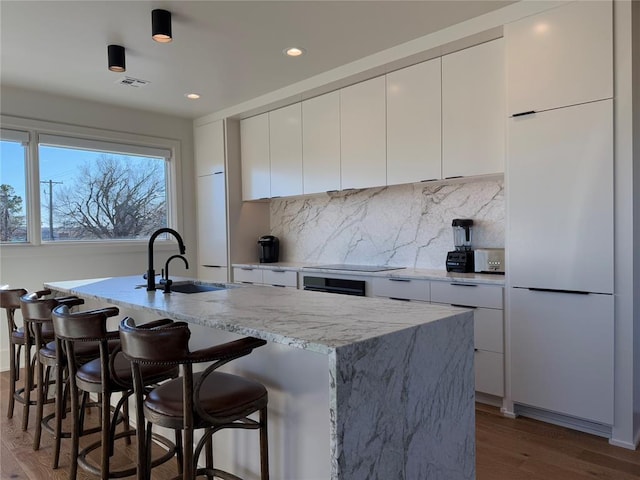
(161,26)
(115,54)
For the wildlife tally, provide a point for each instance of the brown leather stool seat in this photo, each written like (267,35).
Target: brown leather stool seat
(208,400)
(108,374)
(221,395)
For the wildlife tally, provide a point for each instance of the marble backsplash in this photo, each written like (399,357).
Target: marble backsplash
(402,225)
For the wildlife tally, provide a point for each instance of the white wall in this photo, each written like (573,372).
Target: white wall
(28,266)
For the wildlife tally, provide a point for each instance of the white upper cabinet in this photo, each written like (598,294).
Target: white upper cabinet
(254,147)
(212,220)
(560,57)
(473,111)
(285,134)
(363,134)
(321,143)
(560,179)
(209,148)
(413,123)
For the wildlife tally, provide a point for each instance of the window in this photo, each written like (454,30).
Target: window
(91,190)
(13,186)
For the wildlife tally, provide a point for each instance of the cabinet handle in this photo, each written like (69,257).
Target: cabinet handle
(552,290)
(475,349)
(218,173)
(464,285)
(332,191)
(463,306)
(430,180)
(277,196)
(522,114)
(212,266)
(275,285)
(278,271)
(455,176)
(400,299)
(249,283)
(399,280)
(247,268)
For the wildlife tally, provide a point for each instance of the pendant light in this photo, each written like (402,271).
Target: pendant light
(115,54)
(161,26)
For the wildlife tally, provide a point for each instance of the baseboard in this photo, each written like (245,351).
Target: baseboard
(488,399)
(627,445)
(573,423)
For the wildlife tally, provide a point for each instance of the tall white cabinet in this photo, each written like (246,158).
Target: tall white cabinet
(560,57)
(321,143)
(256,165)
(285,151)
(211,204)
(473,111)
(560,211)
(413,123)
(363,134)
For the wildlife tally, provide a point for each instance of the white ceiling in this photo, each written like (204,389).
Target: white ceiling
(228,51)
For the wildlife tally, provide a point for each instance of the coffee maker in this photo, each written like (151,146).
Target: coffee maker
(268,249)
(461,260)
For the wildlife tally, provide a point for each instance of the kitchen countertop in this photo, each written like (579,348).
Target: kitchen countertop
(307,320)
(409,273)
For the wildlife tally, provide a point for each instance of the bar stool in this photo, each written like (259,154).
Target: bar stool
(207,400)
(36,315)
(24,337)
(108,374)
(10,301)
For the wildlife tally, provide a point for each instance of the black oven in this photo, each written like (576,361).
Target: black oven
(334,285)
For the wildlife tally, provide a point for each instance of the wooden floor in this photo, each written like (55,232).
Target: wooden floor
(507,449)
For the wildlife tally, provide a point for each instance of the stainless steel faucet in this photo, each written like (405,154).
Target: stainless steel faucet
(151,274)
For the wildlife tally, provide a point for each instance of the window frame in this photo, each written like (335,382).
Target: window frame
(24,137)
(87,136)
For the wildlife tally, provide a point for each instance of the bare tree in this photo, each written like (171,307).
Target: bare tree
(10,209)
(111,198)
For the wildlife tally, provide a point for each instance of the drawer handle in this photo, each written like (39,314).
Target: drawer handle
(275,285)
(462,306)
(455,176)
(464,285)
(218,173)
(522,114)
(250,283)
(399,280)
(246,268)
(401,299)
(278,271)
(212,266)
(552,290)
(475,349)
(429,180)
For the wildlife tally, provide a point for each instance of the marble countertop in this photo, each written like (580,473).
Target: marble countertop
(409,273)
(313,321)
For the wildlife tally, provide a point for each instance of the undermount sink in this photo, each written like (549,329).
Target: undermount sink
(192,287)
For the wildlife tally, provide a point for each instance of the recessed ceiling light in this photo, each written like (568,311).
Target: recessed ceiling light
(294,51)
(192,96)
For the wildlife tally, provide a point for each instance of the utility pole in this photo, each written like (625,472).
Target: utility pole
(51,183)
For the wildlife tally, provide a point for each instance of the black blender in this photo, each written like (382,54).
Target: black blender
(461,259)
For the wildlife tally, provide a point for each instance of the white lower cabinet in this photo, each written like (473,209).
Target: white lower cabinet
(247,275)
(401,288)
(280,278)
(210,273)
(275,277)
(562,352)
(488,318)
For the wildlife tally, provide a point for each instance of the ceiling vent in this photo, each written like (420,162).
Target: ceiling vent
(133,82)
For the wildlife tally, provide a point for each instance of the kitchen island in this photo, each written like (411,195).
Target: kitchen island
(397,378)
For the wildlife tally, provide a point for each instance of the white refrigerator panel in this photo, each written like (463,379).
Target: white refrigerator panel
(560,183)
(562,353)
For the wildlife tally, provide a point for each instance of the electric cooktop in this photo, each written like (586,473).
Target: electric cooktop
(357,268)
